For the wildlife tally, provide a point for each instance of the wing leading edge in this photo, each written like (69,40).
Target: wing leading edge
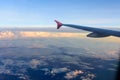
(96,32)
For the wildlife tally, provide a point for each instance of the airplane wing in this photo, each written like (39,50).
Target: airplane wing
(96,32)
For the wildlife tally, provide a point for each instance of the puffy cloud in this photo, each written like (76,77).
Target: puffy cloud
(59,70)
(88,77)
(73,74)
(6,34)
(34,63)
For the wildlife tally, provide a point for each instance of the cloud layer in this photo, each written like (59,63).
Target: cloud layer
(35,34)
(38,34)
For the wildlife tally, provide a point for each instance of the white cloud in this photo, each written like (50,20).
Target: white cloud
(37,34)
(6,34)
(73,74)
(59,70)
(34,63)
(89,76)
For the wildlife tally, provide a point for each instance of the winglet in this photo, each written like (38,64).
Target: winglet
(59,24)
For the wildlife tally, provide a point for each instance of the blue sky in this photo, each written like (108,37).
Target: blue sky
(41,13)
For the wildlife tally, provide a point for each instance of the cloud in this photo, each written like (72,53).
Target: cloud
(113,53)
(7,62)
(89,76)
(34,63)
(109,39)
(7,34)
(112,69)
(73,74)
(37,34)
(59,70)
(30,34)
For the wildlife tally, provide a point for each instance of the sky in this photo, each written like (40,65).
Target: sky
(42,13)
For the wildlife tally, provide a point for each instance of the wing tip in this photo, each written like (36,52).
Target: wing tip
(59,24)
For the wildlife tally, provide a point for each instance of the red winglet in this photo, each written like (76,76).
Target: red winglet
(59,24)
